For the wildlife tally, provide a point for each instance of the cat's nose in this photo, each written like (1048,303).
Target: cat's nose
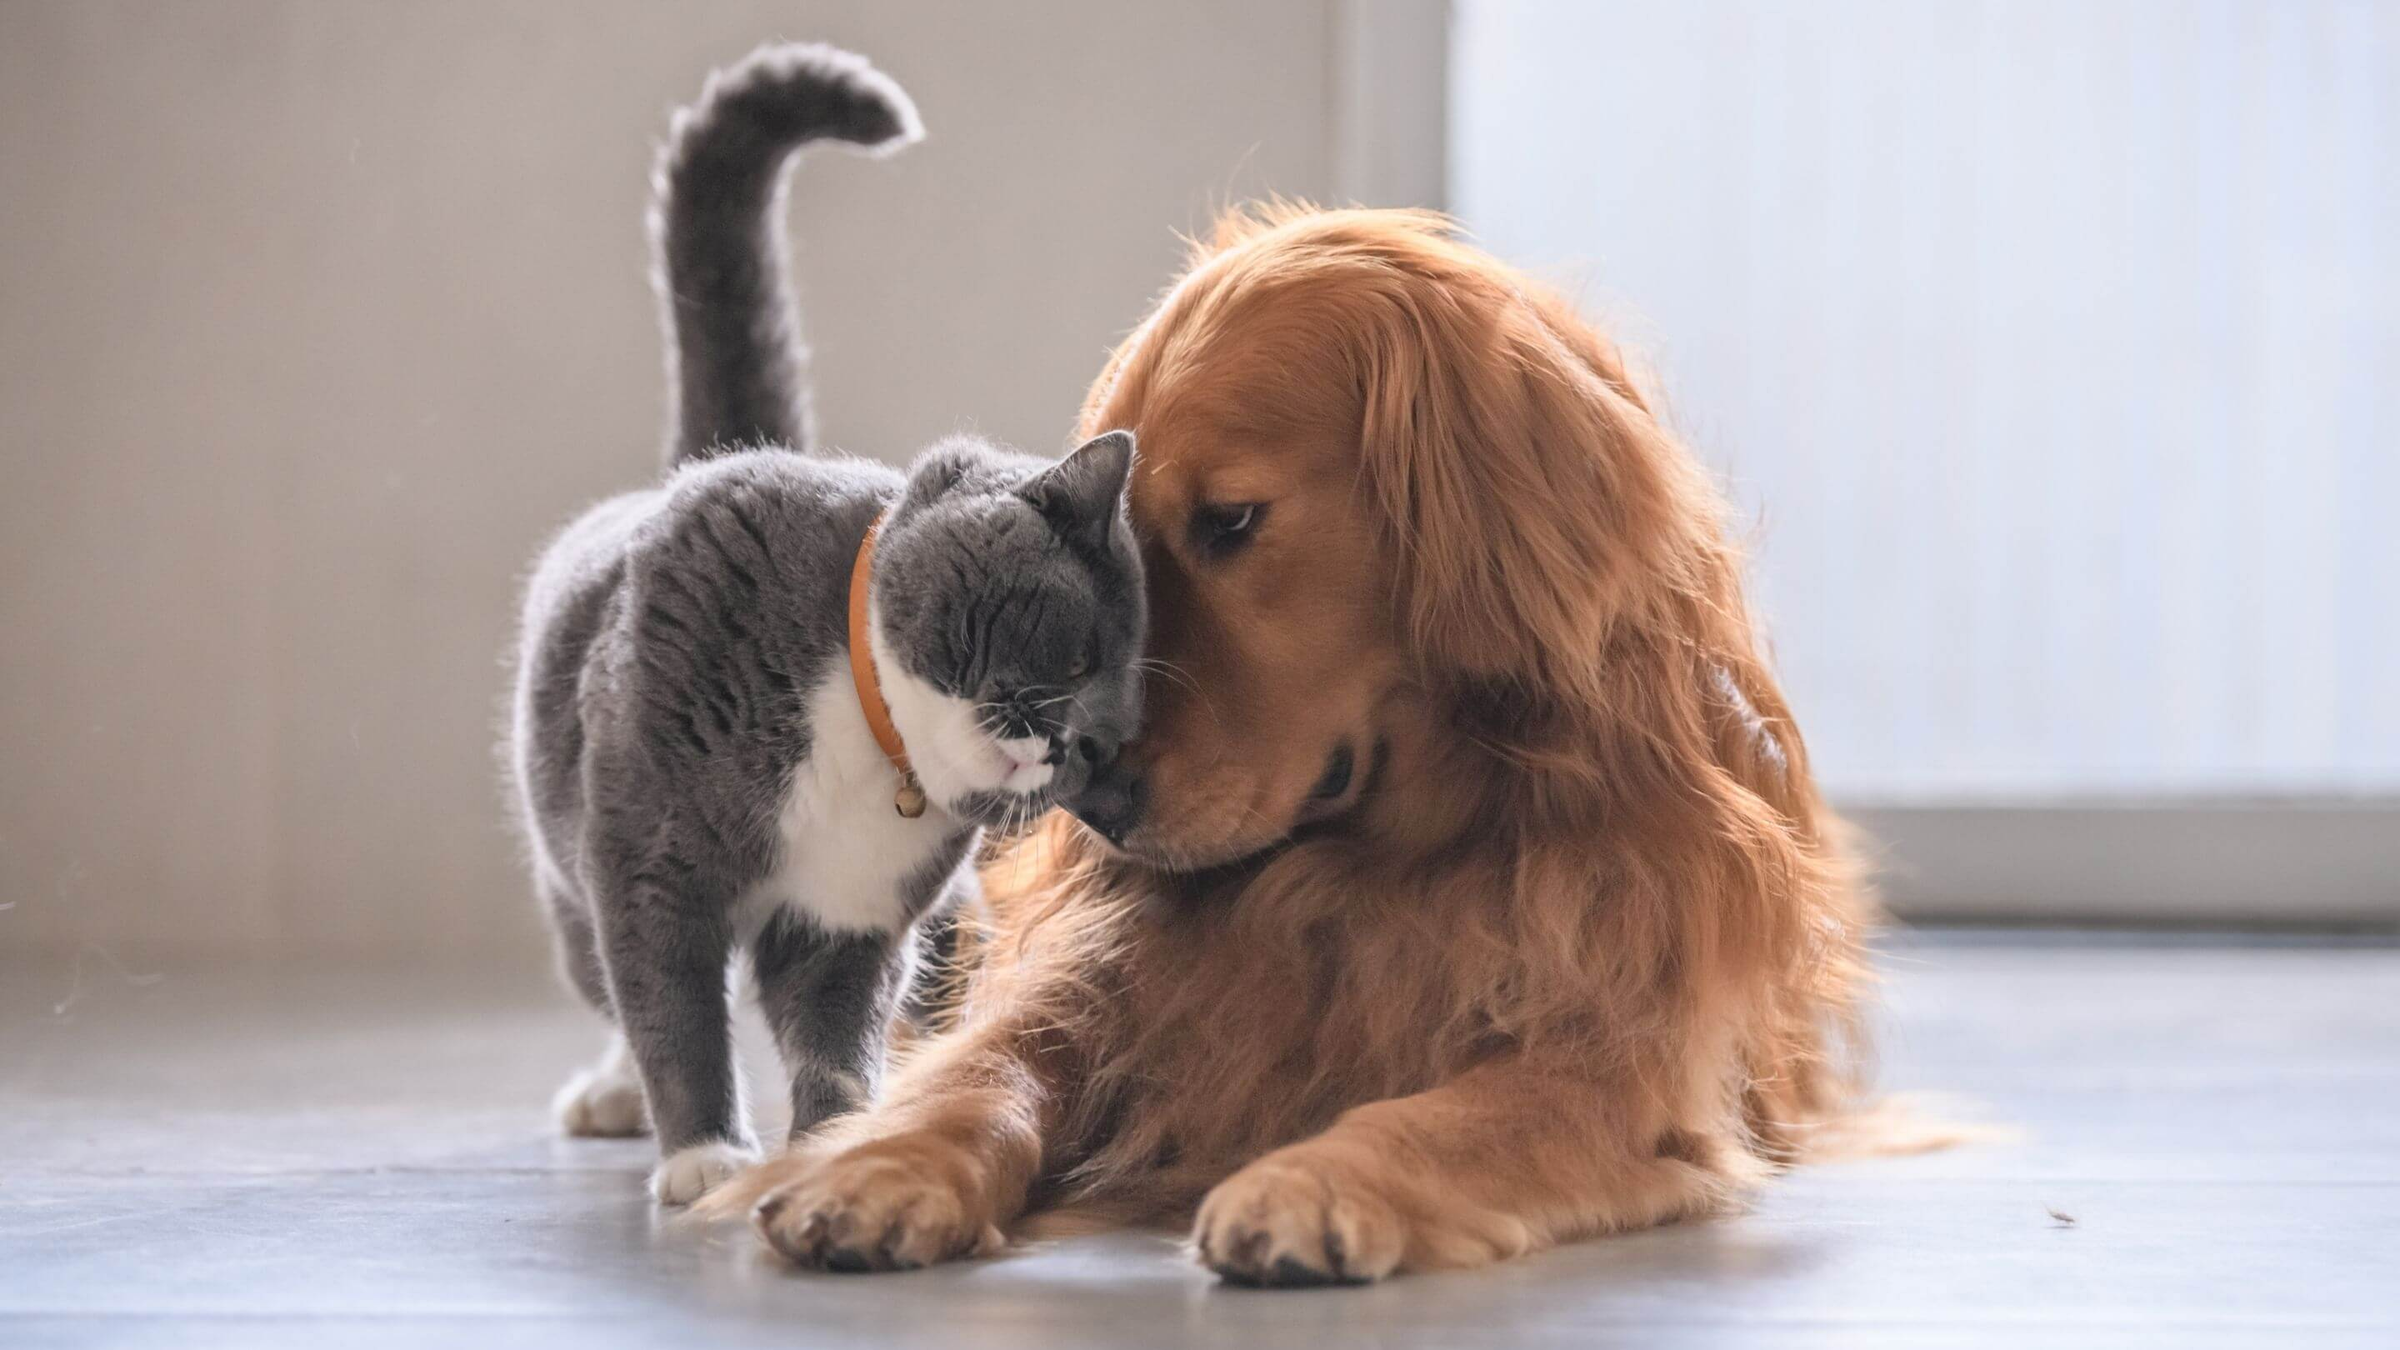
(1111,801)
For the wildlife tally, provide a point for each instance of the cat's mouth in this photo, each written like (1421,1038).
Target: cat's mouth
(1021,775)
(1023,766)
(1012,781)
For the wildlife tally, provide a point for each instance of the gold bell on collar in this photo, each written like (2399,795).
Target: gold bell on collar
(909,801)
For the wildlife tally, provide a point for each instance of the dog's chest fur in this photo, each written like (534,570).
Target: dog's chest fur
(844,856)
(1222,1037)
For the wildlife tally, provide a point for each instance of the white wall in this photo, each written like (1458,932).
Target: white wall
(2052,347)
(314,317)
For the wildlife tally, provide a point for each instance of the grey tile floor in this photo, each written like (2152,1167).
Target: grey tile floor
(259,1159)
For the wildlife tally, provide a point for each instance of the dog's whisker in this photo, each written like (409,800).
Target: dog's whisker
(1167,668)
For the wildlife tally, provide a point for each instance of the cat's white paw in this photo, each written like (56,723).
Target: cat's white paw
(595,1105)
(689,1173)
(603,1101)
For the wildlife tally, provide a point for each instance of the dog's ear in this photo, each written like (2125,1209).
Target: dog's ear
(1528,497)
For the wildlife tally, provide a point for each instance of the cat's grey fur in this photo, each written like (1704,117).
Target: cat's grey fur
(693,769)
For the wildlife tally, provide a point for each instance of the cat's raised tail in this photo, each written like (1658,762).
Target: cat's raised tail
(736,367)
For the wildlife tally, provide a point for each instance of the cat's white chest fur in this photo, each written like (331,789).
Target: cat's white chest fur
(844,852)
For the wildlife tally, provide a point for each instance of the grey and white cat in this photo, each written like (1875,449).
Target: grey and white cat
(694,762)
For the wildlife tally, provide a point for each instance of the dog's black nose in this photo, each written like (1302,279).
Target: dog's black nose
(1111,802)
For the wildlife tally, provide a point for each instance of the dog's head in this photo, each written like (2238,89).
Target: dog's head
(1387,490)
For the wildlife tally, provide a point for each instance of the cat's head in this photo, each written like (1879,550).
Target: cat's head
(1008,613)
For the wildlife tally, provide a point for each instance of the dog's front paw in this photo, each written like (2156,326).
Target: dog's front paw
(689,1173)
(1286,1221)
(892,1205)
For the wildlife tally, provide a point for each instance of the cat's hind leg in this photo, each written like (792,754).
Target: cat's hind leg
(604,1099)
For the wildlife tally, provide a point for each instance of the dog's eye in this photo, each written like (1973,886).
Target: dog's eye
(1219,530)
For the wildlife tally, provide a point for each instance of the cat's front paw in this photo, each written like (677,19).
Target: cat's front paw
(689,1173)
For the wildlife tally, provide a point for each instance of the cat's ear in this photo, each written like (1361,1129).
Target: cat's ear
(1080,494)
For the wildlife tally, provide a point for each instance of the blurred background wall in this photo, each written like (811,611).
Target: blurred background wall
(2046,348)
(2085,310)
(316,317)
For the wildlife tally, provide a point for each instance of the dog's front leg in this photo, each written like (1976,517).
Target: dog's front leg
(934,1171)
(1507,1158)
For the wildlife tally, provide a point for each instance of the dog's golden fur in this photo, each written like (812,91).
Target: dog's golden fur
(1577,950)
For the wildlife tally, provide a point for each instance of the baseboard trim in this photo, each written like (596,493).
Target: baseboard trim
(2319,863)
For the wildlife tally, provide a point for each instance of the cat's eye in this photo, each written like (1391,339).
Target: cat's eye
(1218,530)
(1081,668)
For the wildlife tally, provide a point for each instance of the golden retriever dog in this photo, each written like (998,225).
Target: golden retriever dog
(1466,891)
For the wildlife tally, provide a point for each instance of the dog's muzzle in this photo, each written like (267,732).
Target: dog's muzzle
(1112,798)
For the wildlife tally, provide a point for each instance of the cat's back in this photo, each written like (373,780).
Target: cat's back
(732,572)
(729,525)
(758,517)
